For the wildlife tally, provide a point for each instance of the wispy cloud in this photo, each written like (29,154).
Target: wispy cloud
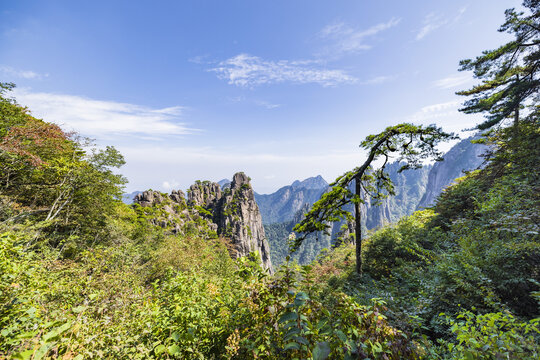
(431,22)
(445,114)
(267,105)
(169,185)
(104,119)
(436,111)
(245,70)
(262,103)
(9,71)
(461,12)
(346,39)
(377,80)
(453,81)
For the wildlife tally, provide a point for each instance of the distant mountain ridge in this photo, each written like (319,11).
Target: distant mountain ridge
(129,198)
(312,183)
(415,189)
(283,204)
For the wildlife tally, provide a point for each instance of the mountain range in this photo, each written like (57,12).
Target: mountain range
(414,190)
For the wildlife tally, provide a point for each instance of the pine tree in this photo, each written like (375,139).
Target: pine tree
(411,143)
(510,74)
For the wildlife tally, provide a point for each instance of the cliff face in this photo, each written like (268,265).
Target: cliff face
(239,218)
(464,156)
(232,213)
(236,214)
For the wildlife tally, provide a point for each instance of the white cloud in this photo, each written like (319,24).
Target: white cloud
(377,80)
(453,81)
(267,105)
(248,71)
(103,119)
(431,22)
(347,39)
(460,13)
(169,185)
(446,115)
(24,74)
(262,103)
(437,110)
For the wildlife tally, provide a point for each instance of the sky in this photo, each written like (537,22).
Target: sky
(281,90)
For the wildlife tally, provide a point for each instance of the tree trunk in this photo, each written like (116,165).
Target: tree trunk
(516,122)
(516,116)
(358,229)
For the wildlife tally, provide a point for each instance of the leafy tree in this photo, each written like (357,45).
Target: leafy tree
(510,74)
(411,144)
(48,175)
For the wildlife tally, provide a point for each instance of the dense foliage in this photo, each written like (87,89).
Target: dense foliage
(438,284)
(84,276)
(474,257)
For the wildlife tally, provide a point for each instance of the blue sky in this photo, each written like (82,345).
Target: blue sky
(281,90)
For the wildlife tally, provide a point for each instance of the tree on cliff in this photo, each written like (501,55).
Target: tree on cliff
(510,74)
(409,144)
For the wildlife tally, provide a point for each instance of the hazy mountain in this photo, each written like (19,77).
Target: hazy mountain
(128,198)
(464,156)
(283,204)
(224,183)
(284,208)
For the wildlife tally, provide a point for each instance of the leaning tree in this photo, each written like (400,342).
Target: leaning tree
(407,143)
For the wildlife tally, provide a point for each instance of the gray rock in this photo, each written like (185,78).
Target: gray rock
(235,215)
(178,196)
(464,156)
(148,198)
(239,218)
(204,193)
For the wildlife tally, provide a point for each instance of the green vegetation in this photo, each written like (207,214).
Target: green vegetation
(84,276)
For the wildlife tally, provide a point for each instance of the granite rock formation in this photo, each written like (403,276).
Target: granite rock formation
(236,214)
(171,212)
(231,212)
(464,156)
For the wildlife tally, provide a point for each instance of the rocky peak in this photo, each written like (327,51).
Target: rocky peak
(316,182)
(238,218)
(240,179)
(148,198)
(232,213)
(178,196)
(204,193)
(462,157)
